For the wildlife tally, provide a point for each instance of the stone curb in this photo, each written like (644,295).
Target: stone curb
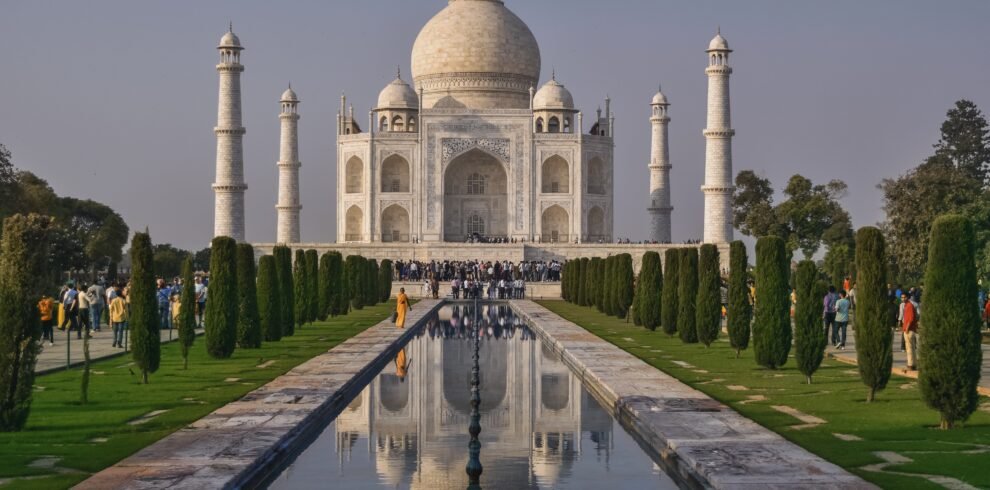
(243,442)
(702,442)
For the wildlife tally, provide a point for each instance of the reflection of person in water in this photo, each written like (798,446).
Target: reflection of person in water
(401,306)
(402,365)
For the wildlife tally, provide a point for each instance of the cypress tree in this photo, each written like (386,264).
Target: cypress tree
(385,280)
(269,300)
(146,345)
(772,328)
(23,272)
(649,289)
(873,335)
(568,281)
(354,267)
(286,289)
(809,336)
(313,285)
(223,306)
(625,278)
(300,285)
(669,303)
(687,296)
(187,311)
(582,286)
(373,292)
(323,288)
(951,355)
(740,311)
(709,301)
(249,332)
(338,291)
(608,296)
(589,281)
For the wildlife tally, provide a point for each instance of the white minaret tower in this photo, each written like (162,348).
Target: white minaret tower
(229,187)
(660,207)
(718,187)
(288,171)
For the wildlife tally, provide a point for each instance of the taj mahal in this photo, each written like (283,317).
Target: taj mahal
(474,148)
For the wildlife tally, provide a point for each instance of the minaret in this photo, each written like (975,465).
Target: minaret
(288,171)
(718,187)
(660,207)
(229,187)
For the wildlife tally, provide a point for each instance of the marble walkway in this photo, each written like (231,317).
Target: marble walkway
(54,357)
(848,355)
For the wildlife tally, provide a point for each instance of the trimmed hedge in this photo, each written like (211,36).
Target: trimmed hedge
(269,300)
(624,285)
(649,287)
(874,347)
(248,322)
(772,328)
(312,286)
(224,303)
(385,280)
(739,310)
(323,288)
(809,335)
(669,303)
(709,302)
(687,296)
(286,289)
(187,311)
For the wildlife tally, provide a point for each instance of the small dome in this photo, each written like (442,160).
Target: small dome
(230,40)
(289,96)
(718,43)
(660,98)
(398,95)
(553,95)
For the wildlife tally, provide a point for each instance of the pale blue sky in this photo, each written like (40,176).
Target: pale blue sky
(116,100)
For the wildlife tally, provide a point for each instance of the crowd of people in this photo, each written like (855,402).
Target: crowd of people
(477,270)
(82,308)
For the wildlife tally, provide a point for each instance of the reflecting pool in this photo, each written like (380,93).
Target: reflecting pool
(409,427)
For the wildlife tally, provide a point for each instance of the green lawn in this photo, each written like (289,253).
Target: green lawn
(59,427)
(897,421)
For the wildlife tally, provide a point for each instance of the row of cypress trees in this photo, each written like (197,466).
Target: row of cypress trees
(606,284)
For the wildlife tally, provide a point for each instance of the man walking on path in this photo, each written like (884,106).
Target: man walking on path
(828,313)
(84,316)
(841,320)
(70,306)
(118,320)
(96,294)
(909,327)
(46,307)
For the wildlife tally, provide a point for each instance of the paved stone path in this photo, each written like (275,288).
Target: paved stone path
(701,440)
(849,355)
(237,444)
(53,357)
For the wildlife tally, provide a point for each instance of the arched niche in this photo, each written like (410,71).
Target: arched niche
(395,174)
(354,176)
(395,224)
(556,176)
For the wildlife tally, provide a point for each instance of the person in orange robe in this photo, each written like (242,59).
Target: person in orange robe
(401,307)
(401,365)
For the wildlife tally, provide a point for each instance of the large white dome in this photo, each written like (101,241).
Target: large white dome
(476,54)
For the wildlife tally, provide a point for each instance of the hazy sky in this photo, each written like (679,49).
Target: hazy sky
(116,100)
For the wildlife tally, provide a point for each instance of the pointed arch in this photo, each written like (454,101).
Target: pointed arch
(395,224)
(354,176)
(395,174)
(554,125)
(354,224)
(555,225)
(596,225)
(597,177)
(555,176)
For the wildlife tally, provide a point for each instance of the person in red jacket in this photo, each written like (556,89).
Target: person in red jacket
(909,325)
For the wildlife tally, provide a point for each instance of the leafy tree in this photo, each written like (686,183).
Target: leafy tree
(355,276)
(809,336)
(323,288)
(739,312)
(168,260)
(873,335)
(965,140)
(687,296)
(669,303)
(312,286)
(301,288)
(223,306)
(269,299)
(624,284)
(249,331)
(951,354)
(187,311)
(201,260)
(146,345)
(772,328)
(838,263)
(23,258)
(648,291)
(709,301)
(385,280)
(338,292)
(286,289)
(810,214)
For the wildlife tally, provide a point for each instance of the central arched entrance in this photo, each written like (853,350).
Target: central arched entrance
(475,201)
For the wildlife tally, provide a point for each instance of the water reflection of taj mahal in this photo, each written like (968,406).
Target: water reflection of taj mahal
(534,410)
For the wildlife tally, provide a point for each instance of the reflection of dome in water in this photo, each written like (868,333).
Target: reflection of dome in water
(554,391)
(393,392)
(457,363)
(396,459)
(478,54)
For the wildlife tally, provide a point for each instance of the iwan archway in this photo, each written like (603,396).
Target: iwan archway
(475,201)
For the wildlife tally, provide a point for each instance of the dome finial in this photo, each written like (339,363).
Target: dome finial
(230,26)
(398,72)
(718,29)
(553,75)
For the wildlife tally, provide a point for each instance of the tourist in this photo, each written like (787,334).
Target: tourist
(84,315)
(986,315)
(200,291)
(455,288)
(97,294)
(829,313)
(435,286)
(909,328)
(118,318)
(176,307)
(70,307)
(401,306)
(164,296)
(46,308)
(841,320)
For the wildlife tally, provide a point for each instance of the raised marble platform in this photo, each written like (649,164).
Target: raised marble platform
(704,443)
(240,443)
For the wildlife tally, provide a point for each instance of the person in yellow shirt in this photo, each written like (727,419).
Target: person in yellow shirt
(118,319)
(46,307)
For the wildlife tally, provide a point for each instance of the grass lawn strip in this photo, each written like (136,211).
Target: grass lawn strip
(65,442)
(897,422)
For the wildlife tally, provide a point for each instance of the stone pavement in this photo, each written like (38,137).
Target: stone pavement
(703,442)
(238,444)
(53,357)
(848,355)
